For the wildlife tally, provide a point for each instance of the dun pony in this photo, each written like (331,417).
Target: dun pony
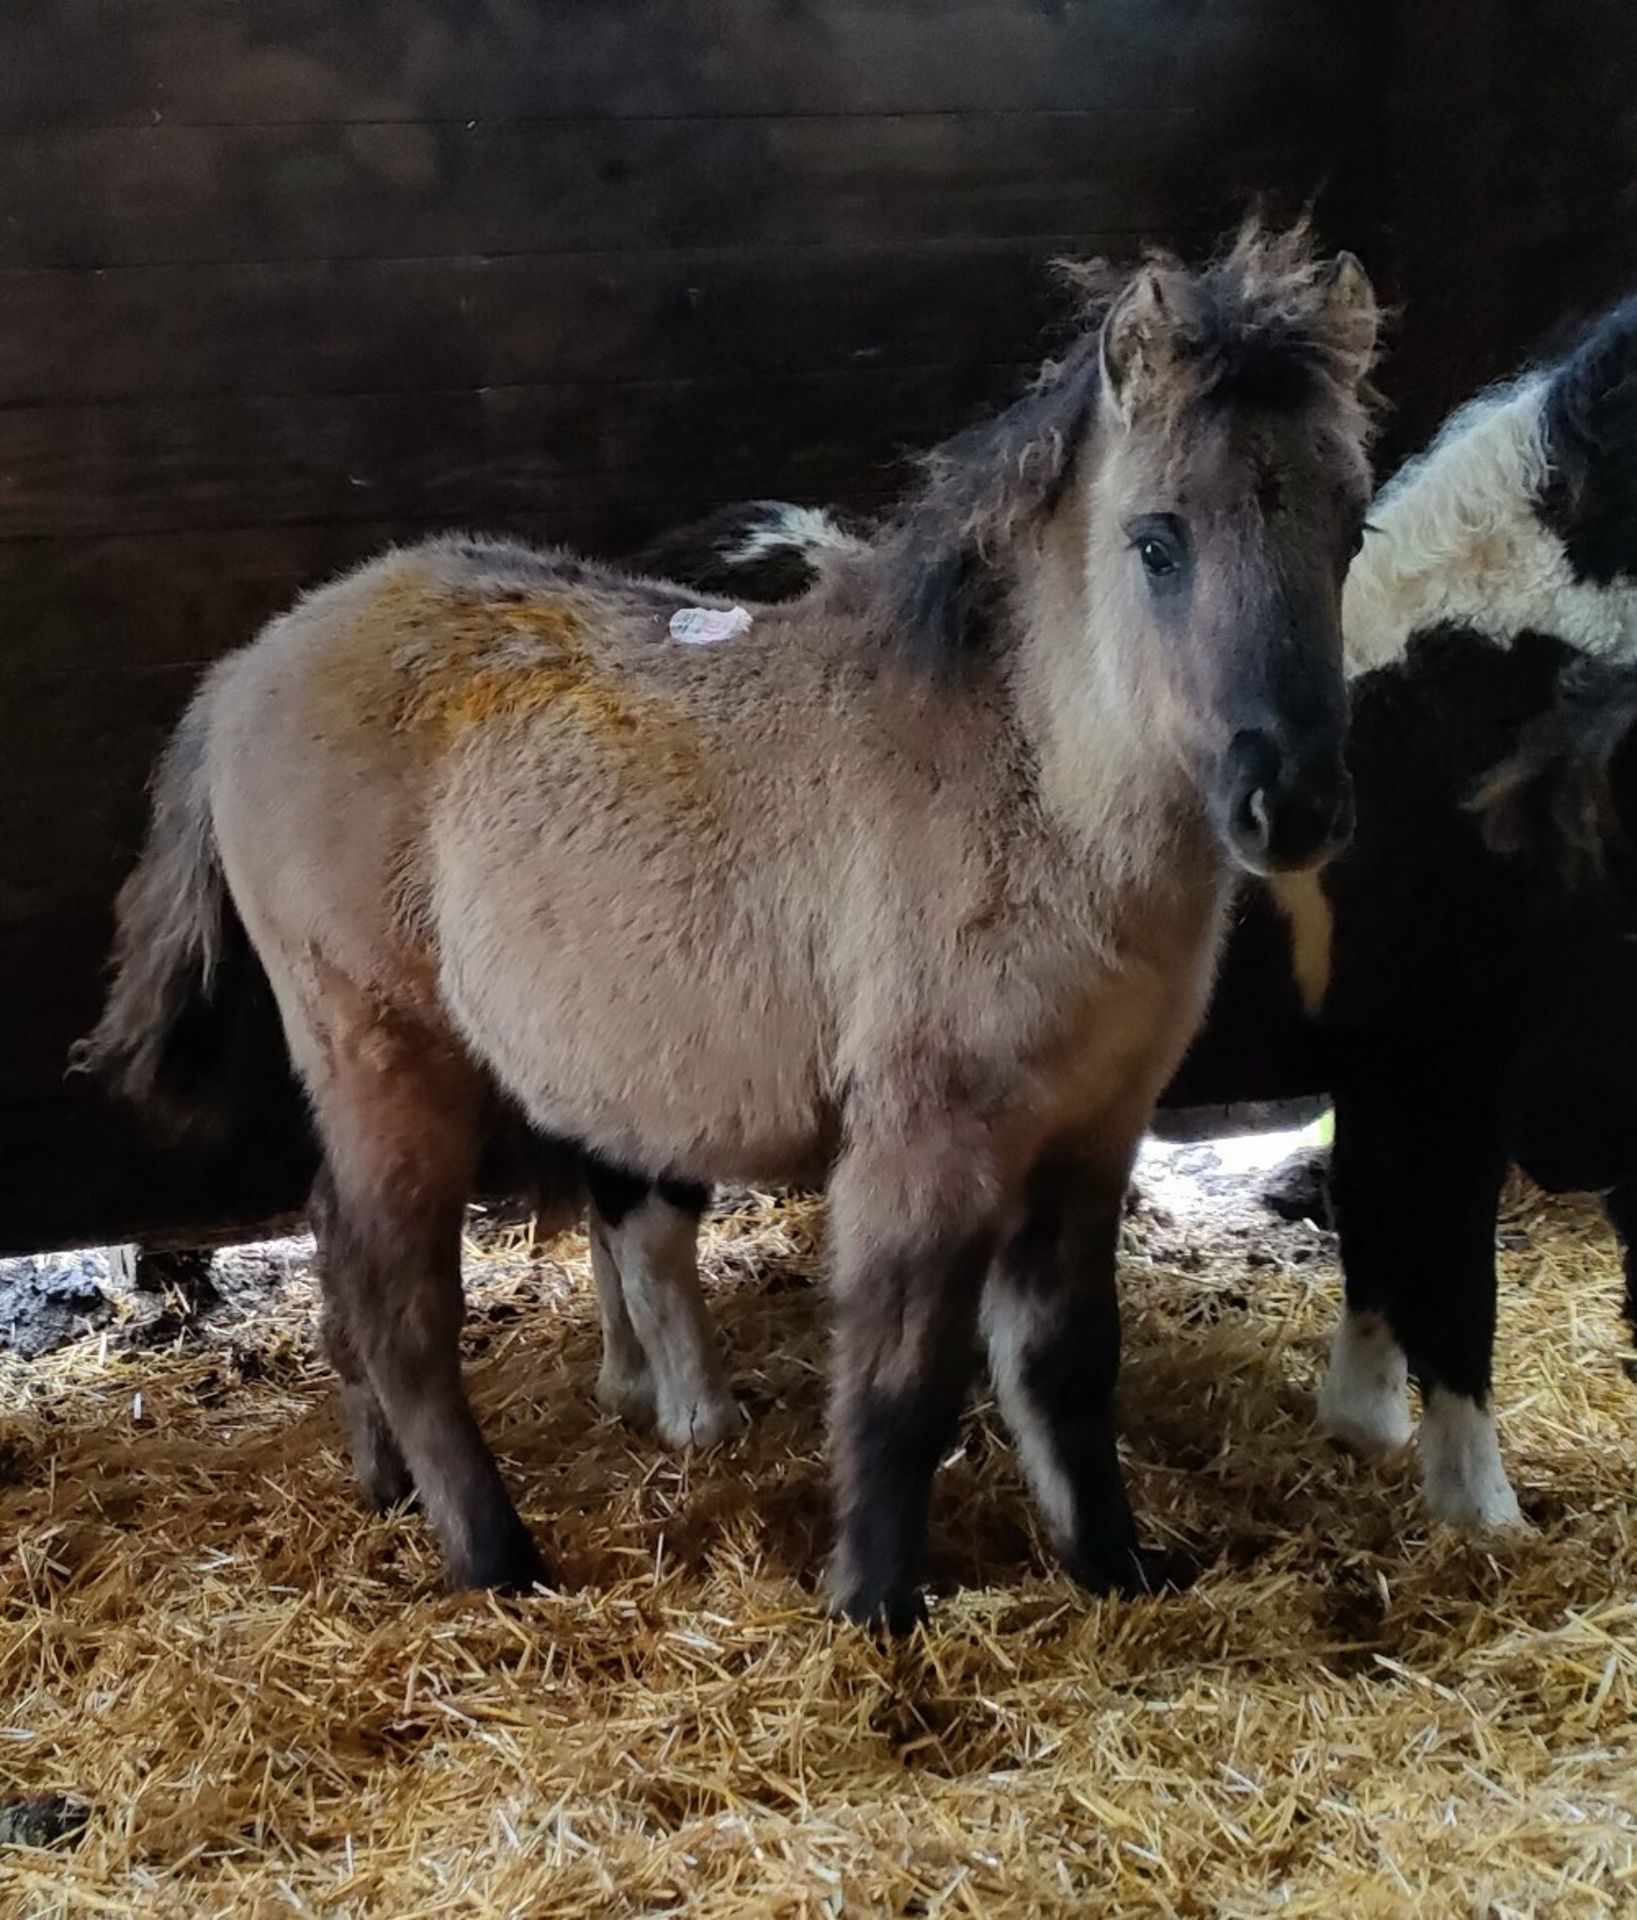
(915,886)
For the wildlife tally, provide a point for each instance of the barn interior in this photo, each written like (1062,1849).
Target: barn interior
(288,280)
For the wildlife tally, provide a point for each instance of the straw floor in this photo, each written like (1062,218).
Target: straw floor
(258,1703)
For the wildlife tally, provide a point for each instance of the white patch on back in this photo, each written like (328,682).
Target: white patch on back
(806,529)
(1457,540)
(1363,1402)
(1463,1480)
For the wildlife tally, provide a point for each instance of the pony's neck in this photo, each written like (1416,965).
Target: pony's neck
(1456,541)
(1094,711)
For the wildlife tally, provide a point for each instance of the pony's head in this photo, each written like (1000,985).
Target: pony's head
(1225,500)
(1199,455)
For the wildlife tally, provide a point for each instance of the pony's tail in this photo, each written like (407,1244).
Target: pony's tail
(189,1019)
(767,550)
(1566,798)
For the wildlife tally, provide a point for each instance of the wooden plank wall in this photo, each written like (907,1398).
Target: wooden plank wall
(281,280)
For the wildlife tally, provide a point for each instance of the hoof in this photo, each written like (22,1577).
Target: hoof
(628,1397)
(1483,1504)
(1167,1570)
(1463,1480)
(1363,1403)
(510,1566)
(705,1422)
(1372,1433)
(889,1616)
(1123,1572)
(383,1479)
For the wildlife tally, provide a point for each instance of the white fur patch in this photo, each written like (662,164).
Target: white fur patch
(1456,539)
(1364,1401)
(1463,1481)
(1009,1324)
(806,529)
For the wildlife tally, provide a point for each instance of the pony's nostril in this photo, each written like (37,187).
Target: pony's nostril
(1253,821)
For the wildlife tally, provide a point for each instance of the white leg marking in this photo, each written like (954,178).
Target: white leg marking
(1009,1322)
(1462,1478)
(655,1248)
(625,1382)
(1364,1401)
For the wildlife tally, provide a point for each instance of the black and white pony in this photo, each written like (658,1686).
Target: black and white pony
(1464,980)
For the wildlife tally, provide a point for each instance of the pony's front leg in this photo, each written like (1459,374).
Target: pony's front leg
(1419,1166)
(912,1232)
(1051,1319)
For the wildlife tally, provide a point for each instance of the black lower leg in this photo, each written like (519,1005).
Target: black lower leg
(1419,1167)
(903,1359)
(1052,1316)
(401,1305)
(376,1457)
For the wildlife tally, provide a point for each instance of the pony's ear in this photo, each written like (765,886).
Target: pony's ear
(1593,396)
(1351,309)
(1347,286)
(1135,341)
(1589,431)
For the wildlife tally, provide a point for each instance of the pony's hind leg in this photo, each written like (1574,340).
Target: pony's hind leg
(399,1109)
(625,1381)
(1051,1319)
(376,1458)
(662,1363)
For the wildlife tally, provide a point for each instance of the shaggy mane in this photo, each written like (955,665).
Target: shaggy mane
(1255,327)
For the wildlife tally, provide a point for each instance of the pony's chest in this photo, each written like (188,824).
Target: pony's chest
(1134,1019)
(1101,1015)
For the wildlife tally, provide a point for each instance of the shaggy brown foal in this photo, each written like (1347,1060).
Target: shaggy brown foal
(916,884)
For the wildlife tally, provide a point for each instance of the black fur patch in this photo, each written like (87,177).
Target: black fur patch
(945,575)
(1590,498)
(888,1442)
(617,1194)
(1566,799)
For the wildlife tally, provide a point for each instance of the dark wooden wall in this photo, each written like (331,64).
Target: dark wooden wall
(281,280)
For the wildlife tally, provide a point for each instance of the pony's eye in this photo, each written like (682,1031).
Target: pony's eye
(1160,543)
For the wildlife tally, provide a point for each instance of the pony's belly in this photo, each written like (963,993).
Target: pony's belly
(658,1081)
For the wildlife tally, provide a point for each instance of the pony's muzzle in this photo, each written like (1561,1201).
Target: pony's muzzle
(1279,812)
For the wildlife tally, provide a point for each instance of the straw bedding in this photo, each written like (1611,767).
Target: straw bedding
(246,1698)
